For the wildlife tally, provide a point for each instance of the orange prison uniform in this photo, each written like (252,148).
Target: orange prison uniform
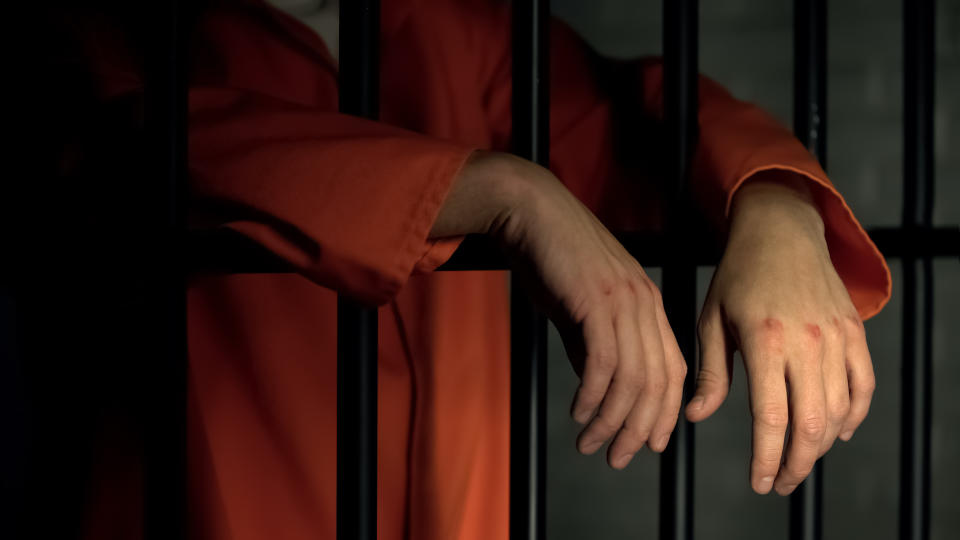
(349,204)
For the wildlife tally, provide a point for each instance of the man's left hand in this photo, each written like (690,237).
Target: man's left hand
(776,297)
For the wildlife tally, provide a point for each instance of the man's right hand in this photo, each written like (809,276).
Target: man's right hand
(608,311)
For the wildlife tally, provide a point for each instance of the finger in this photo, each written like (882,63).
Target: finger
(624,387)
(639,423)
(768,393)
(716,366)
(835,386)
(808,419)
(763,358)
(860,376)
(599,365)
(676,371)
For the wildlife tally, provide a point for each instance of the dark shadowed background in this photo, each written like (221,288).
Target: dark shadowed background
(747,46)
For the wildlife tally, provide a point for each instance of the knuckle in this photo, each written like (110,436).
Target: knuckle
(800,469)
(589,396)
(708,376)
(605,360)
(772,417)
(606,425)
(853,326)
(645,289)
(633,434)
(812,427)
(839,409)
(654,290)
(769,461)
(679,373)
(636,383)
(833,327)
(606,287)
(867,386)
(656,385)
(624,287)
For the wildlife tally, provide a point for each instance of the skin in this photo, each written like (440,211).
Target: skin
(775,297)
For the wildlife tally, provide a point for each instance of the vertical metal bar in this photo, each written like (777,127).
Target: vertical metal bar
(810,75)
(357,324)
(918,100)
(809,125)
(528,328)
(679,273)
(165,121)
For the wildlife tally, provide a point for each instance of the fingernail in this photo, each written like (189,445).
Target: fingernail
(697,403)
(591,447)
(662,441)
(581,416)
(766,483)
(846,435)
(622,461)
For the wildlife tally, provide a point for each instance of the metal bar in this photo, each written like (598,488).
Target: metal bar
(918,187)
(809,125)
(165,316)
(227,252)
(528,328)
(680,273)
(356,323)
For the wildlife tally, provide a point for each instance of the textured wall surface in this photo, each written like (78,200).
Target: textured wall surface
(747,46)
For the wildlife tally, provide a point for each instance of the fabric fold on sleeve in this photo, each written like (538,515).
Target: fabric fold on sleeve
(347,202)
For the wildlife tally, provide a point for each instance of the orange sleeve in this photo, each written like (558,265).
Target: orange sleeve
(606,117)
(738,140)
(348,202)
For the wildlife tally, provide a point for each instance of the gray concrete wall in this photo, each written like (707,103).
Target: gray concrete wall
(746,45)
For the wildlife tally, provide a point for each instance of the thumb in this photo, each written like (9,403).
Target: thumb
(716,365)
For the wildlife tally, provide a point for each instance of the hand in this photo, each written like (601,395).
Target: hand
(608,311)
(776,297)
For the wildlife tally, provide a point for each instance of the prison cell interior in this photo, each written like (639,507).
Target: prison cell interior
(916,242)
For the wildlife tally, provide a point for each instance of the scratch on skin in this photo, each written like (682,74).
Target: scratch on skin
(813,330)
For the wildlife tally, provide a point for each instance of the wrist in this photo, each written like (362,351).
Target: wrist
(480,197)
(522,191)
(774,198)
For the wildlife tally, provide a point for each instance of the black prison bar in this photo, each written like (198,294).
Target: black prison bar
(530,104)
(917,338)
(357,323)
(227,252)
(810,127)
(680,108)
(165,316)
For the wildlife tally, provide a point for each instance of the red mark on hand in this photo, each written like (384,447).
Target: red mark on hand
(772,324)
(771,337)
(813,330)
